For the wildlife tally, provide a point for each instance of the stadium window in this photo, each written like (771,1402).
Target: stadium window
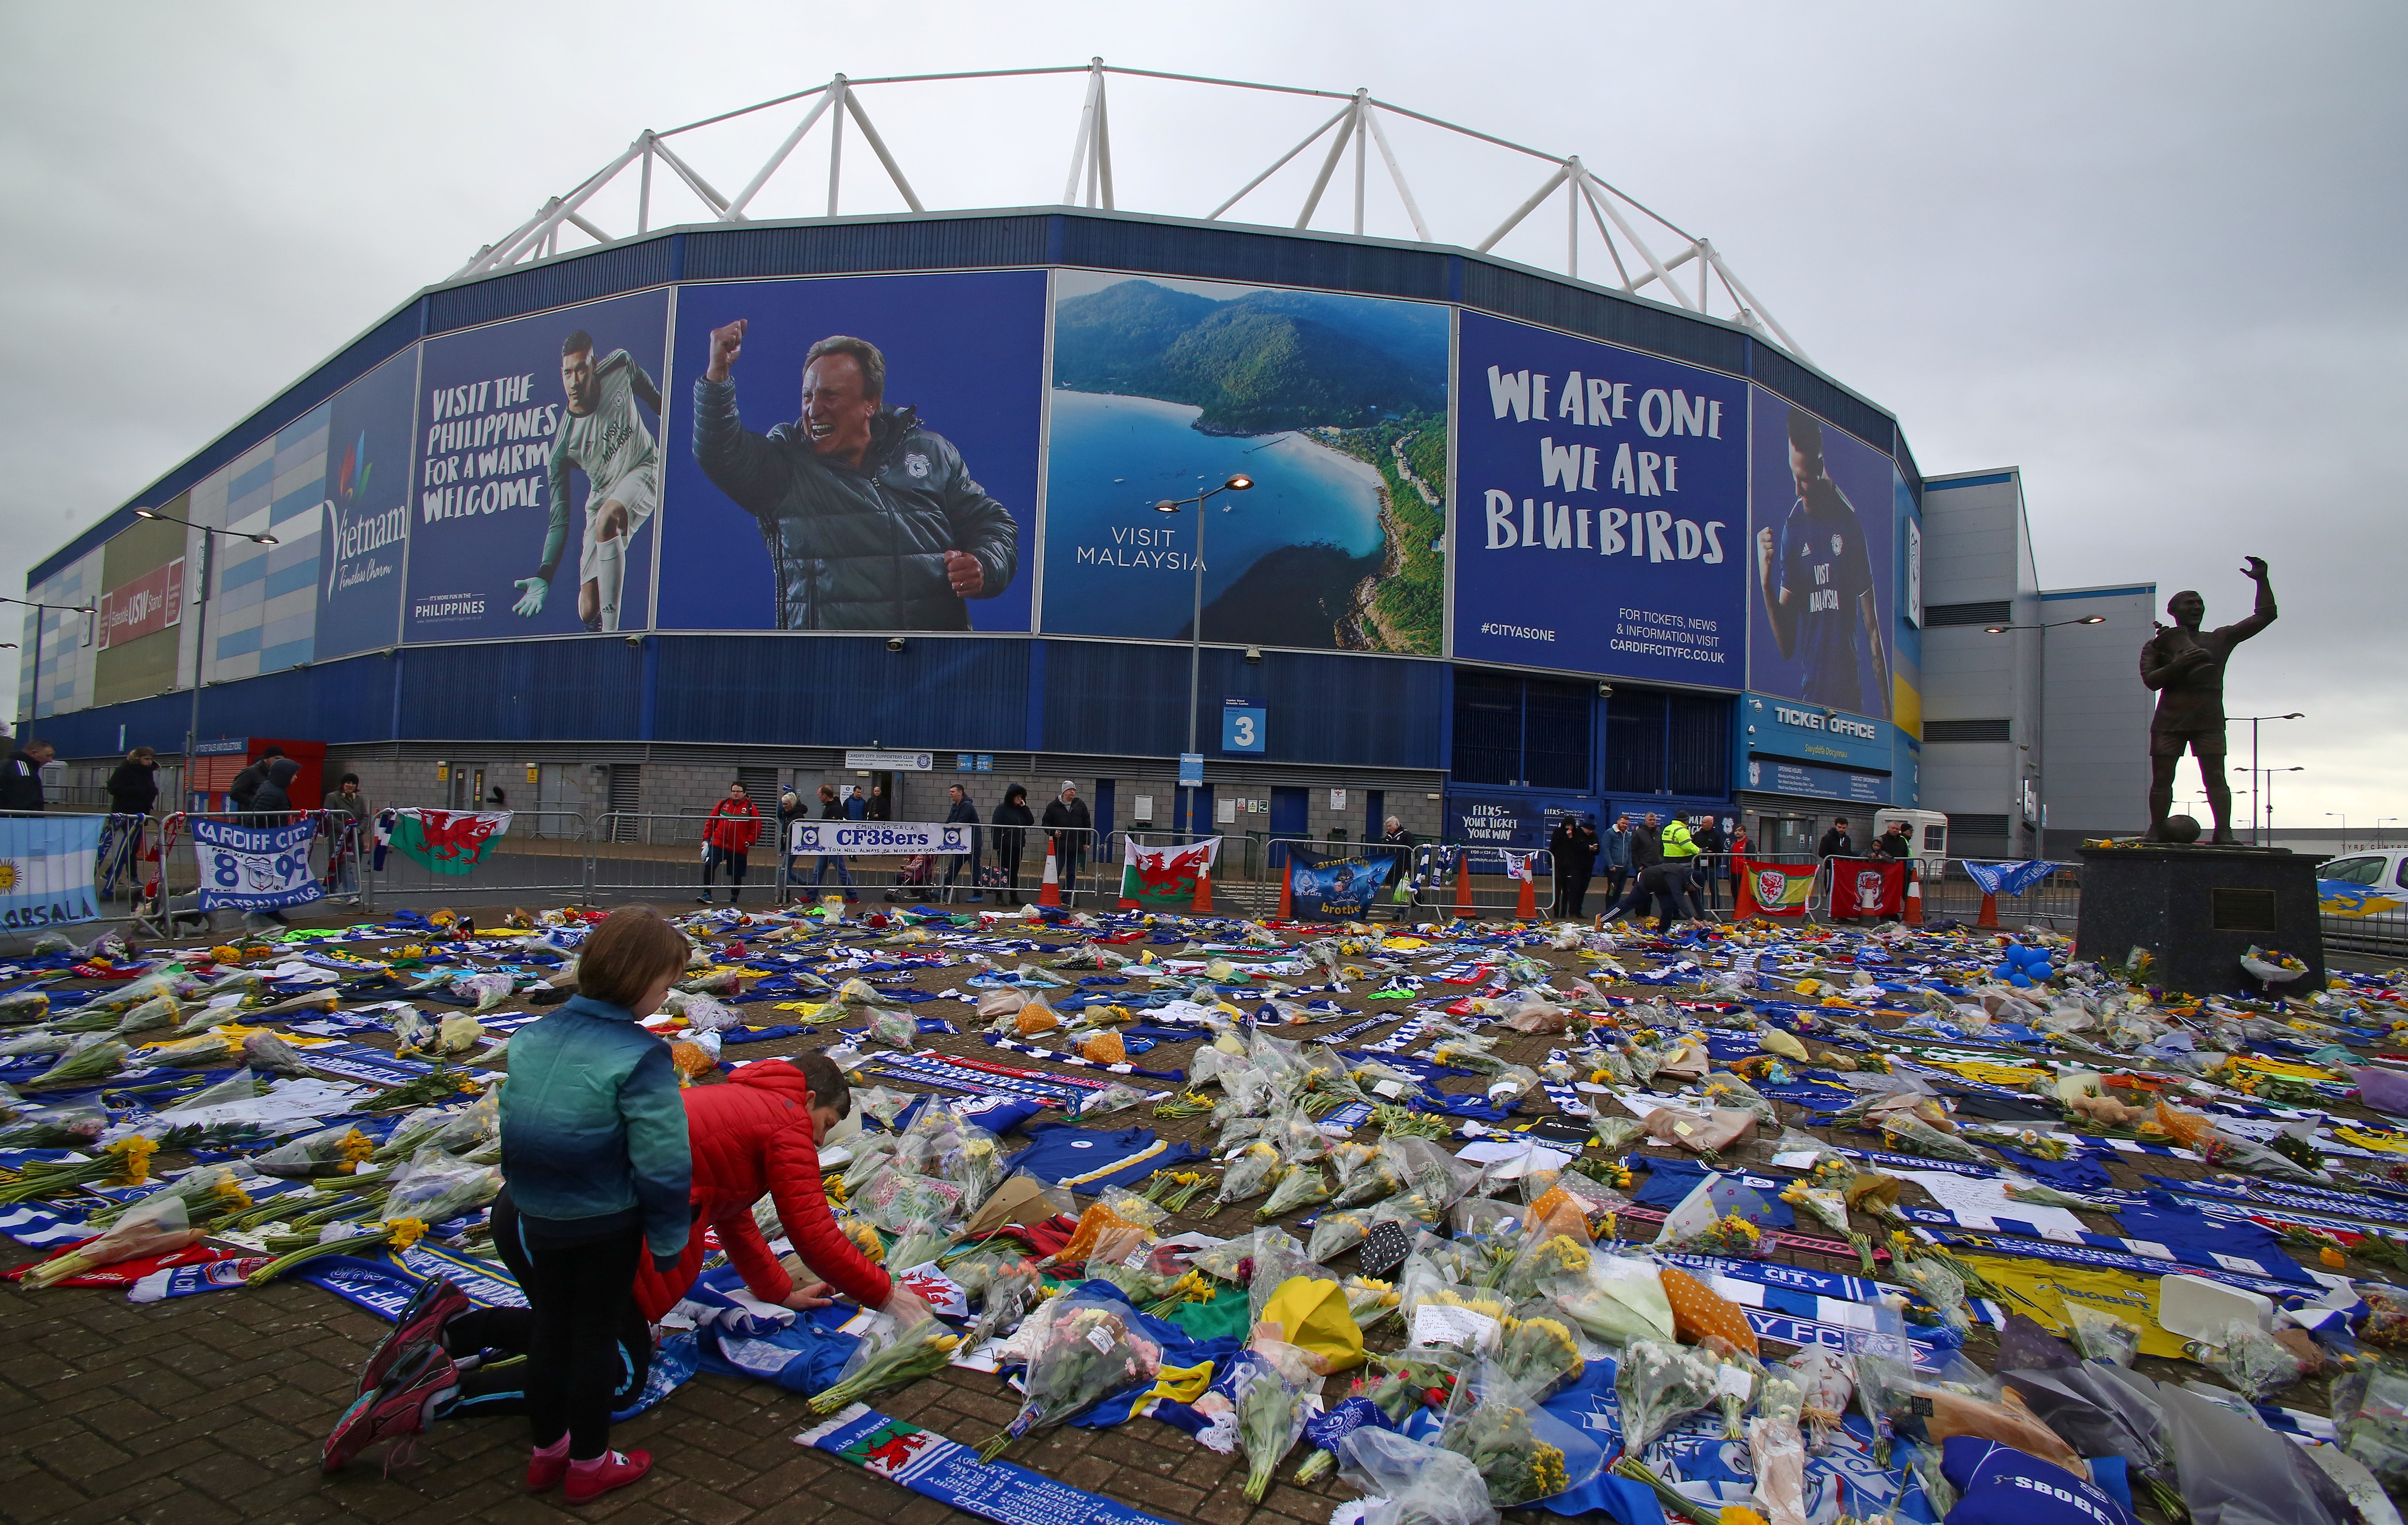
(1487,728)
(1555,727)
(1698,753)
(1634,743)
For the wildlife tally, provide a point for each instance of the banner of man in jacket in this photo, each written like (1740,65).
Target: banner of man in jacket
(1331,887)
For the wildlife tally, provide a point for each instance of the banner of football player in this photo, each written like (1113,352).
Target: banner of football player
(1863,887)
(1330,886)
(1603,523)
(368,496)
(1779,889)
(245,868)
(538,474)
(441,841)
(46,869)
(1163,878)
(888,483)
(1822,581)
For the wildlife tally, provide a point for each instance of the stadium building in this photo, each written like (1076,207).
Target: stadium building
(913,498)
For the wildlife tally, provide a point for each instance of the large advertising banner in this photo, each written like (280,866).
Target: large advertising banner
(1604,508)
(1333,405)
(1822,583)
(367,510)
(538,470)
(869,461)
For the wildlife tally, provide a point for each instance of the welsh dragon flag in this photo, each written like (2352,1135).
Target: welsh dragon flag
(450,841)
(1779,889)
(1157,877)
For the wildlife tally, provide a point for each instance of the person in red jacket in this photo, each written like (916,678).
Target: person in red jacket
(756,1134)
(728,832)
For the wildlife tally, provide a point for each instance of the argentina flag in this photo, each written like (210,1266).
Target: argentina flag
(46,869)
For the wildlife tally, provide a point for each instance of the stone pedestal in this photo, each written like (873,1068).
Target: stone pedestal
(2196,909)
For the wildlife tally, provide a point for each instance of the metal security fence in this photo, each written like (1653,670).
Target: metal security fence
(1451,879)
(544,853)
(2380,933)
(1238,881)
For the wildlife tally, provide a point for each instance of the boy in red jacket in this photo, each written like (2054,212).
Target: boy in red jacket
(728,832)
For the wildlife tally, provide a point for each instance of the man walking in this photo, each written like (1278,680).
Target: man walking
(833,809)
(1068,817)
(1613,858)
(962,810)
(21,785)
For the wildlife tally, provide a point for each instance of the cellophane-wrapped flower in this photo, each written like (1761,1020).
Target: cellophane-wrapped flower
(1251,1174)
(1519,1467)
(1539,1353)
(1270,1411)
(1089,1353)
(1658,1384)
(1301,1187)
(329,1151)
(1729,1235)
(1337,1233)
(1370,1180)
(900,1357)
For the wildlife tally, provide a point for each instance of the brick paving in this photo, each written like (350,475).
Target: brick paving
(213,1408)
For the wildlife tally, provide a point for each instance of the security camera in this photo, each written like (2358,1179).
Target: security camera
(635,640)
(1254,653)
(894,643)
(1605,691)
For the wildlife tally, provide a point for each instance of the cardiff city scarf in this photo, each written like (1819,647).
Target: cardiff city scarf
(1780,889)
(951,1473)
(1159,878)
(245,868)
(1122,1069)
(446,841)
(2007,878)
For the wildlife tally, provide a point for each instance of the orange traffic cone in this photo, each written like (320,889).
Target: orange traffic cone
(1914,913)
(1463,907)
(1989,916)
(1526,908)
(1050,893)
(1204,890)
(1288,893)
(1743,894)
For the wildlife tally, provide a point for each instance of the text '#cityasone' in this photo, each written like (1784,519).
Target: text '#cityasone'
(1612,503)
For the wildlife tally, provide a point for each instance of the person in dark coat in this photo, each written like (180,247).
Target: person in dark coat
(834,809)
(1577,865)
(271,803)
(1613,858)
(1836,843)
(245,788)
(1011,837)
(961,810)
(1712,845)
(880,808)
(1068,814)
(134,787)
(1648,842)
(20,784)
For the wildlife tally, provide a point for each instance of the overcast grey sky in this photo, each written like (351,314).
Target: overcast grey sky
(2150,254)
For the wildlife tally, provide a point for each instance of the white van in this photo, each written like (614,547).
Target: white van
(1928,830)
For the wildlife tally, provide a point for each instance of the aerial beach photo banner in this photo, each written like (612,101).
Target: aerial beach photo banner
(1604,508)
(1335,405)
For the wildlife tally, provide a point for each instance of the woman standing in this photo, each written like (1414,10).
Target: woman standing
(729,834)
(133,789)
(1011,820)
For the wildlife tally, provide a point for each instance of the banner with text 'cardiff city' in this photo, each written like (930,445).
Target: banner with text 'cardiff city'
(1600,519)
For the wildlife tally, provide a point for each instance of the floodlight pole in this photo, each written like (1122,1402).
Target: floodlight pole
(1196,619)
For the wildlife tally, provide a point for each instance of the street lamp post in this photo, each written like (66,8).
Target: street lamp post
(200,627)
(1195,625)
(2344,818)
(2268,774)
(2254,839)
(34,704)
(2041,735)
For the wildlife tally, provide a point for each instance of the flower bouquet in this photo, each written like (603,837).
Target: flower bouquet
(1252,1173)
(1621,1300)
(1539,1353)
(1395,1122)
(1907,1131)
(20,1007)
(1269,1386)
(1728,1235)
(81,1068)
(1368,1299)
(439,1084)
(877,1365)
(156,1227)
(208,1192)
(330,1151)
(1547,1260)
(1088,1354)
(1658,1384)
(151,1016)
(1301,1187)
(433,1188)
(124,1164)
(1736,1385)
(1367,1177)
(1828,1206)
(1413,1380)
(1337,1233)
(55,1127)
(1498,1436)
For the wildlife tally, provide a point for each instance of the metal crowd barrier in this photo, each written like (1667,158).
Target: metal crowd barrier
(2383,933)
(1237,883)
(544,853)
(1445,874)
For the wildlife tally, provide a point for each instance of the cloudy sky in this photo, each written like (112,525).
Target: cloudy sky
(2150,254)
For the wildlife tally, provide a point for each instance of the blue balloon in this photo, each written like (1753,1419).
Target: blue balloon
(2006,970)
(2020,980)
(2043,972)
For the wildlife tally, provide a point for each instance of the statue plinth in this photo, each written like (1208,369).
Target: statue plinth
(2197,910)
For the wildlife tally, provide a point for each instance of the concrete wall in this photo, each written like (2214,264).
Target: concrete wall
(2095,727)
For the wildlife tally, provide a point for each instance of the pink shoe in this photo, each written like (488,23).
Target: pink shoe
(590,1480)
(546,1466)
(397,1410)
